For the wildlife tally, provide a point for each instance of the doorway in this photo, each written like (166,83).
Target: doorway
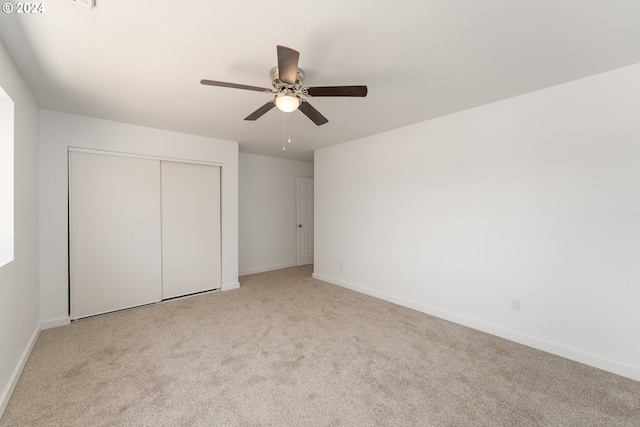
(304,223)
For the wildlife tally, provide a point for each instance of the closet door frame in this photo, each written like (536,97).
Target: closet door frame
(71,149)
(141,156)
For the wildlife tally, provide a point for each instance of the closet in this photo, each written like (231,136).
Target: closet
(141,230)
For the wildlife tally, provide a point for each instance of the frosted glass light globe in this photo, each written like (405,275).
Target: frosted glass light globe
(287,103)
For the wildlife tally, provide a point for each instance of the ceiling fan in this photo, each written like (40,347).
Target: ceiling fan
(286,80)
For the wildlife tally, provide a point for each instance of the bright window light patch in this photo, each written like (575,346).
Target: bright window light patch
(6,179)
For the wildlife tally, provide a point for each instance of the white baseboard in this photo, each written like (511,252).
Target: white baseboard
(230,286)
(54,323)
(596,361)
(15,376)
(265,269)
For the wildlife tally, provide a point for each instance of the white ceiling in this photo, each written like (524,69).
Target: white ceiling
(141,61)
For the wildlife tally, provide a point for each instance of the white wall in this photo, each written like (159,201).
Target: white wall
(19,278)
(59,131)
(267,221)
(534,198)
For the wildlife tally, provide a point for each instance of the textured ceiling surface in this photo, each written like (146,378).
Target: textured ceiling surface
(141,61)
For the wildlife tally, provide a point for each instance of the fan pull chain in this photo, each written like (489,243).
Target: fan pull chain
(284,130)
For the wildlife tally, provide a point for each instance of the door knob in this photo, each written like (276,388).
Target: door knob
(299,225)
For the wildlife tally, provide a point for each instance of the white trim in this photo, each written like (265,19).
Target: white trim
(593,360)
(267,268)
(142,156)
(15,376)
(54,323)
(230,286)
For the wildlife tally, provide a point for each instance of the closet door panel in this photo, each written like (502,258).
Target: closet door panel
(114,233)
(190,228)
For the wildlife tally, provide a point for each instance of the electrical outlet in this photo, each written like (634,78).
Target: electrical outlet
(340,265)
(515,304)
(20,326)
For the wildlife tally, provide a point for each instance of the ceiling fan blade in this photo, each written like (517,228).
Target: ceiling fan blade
(312,113)
(335,90)
(287,64)
(235,86)
(261,111)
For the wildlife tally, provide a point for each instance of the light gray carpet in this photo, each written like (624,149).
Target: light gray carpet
(286,349)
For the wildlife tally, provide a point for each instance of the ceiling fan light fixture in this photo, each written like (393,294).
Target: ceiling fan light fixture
(286,82)
(287,103)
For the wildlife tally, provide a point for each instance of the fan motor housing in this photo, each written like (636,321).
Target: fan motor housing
(275,80)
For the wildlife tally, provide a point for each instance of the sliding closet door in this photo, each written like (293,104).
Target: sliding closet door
(190,228)
(114,227)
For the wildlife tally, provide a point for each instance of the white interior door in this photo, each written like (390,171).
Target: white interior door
(190,228)
(114,238)
(304,213)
